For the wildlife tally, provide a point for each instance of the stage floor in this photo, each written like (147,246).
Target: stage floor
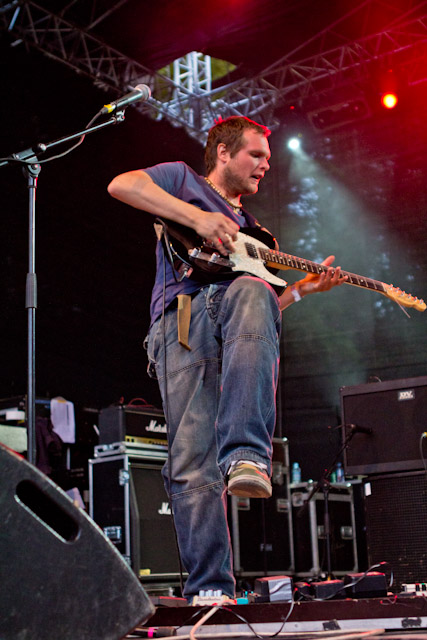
(396,616)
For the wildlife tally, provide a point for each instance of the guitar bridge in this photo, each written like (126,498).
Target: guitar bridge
(211,259)
(251,250)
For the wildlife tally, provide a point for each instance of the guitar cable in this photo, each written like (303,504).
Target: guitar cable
(167,245)
(166,403)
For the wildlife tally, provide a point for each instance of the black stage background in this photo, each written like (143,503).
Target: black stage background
(357,191)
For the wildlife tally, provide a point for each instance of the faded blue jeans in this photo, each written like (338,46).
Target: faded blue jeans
(220,406)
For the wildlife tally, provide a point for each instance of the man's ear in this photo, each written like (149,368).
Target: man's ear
(221,152)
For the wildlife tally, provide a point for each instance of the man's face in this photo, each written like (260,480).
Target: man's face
(247,167)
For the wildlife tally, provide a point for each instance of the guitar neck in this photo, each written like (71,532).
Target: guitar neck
(281,260)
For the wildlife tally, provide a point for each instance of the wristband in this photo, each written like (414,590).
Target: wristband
(295,294)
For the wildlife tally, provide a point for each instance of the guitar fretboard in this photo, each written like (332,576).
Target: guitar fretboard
(277,258)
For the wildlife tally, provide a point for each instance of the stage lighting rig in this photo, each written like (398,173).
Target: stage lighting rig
(294,143)
(389,100)
(335,115)
(389,89)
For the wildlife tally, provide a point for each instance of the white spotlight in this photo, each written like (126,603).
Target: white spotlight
(294,144)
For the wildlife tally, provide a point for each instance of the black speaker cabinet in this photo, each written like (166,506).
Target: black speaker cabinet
(396,524)
(261,529)
(395,413)
(309,530)
(60,577)
(129,502)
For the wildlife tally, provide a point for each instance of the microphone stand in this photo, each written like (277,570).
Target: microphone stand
(29,158)
(324,485)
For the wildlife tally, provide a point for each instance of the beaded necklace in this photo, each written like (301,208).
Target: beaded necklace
(236,207)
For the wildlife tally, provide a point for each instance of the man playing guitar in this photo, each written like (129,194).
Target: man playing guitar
(215,348)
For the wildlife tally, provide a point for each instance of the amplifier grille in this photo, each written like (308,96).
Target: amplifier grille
(396,524)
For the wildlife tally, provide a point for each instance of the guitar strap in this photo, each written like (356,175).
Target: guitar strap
(184,305)
(254,224)
(183,319)
(251,220)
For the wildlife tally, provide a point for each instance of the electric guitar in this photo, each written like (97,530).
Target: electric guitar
(255,254)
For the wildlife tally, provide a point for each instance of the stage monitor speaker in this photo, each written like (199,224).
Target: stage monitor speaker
(60,577)
(396,524)
(394,414)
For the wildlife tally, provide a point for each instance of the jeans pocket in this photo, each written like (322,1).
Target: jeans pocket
(151,370)
(149,346)
(214,298)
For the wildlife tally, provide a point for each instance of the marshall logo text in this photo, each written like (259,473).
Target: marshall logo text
(165,509)
(154,427)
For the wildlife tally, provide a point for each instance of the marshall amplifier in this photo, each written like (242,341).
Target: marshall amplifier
(133,423)
(391,417)
(128,501)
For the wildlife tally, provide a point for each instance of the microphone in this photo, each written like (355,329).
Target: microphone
(357,429)
(140,93)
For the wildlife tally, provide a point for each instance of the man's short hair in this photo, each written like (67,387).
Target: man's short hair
(229,132)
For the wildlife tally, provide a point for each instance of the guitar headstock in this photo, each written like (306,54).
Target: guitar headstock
(404,299)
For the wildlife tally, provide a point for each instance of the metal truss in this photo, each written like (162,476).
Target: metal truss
(186,97)
(317,74)
(109,68)
(192,76)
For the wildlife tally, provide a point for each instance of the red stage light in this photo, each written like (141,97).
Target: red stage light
(389,100)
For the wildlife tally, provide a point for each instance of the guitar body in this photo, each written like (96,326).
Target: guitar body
(203,263)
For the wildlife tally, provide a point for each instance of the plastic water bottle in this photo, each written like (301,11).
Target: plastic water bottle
(340,472)
(296,473)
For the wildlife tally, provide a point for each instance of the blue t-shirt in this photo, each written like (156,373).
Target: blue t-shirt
(181,181)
